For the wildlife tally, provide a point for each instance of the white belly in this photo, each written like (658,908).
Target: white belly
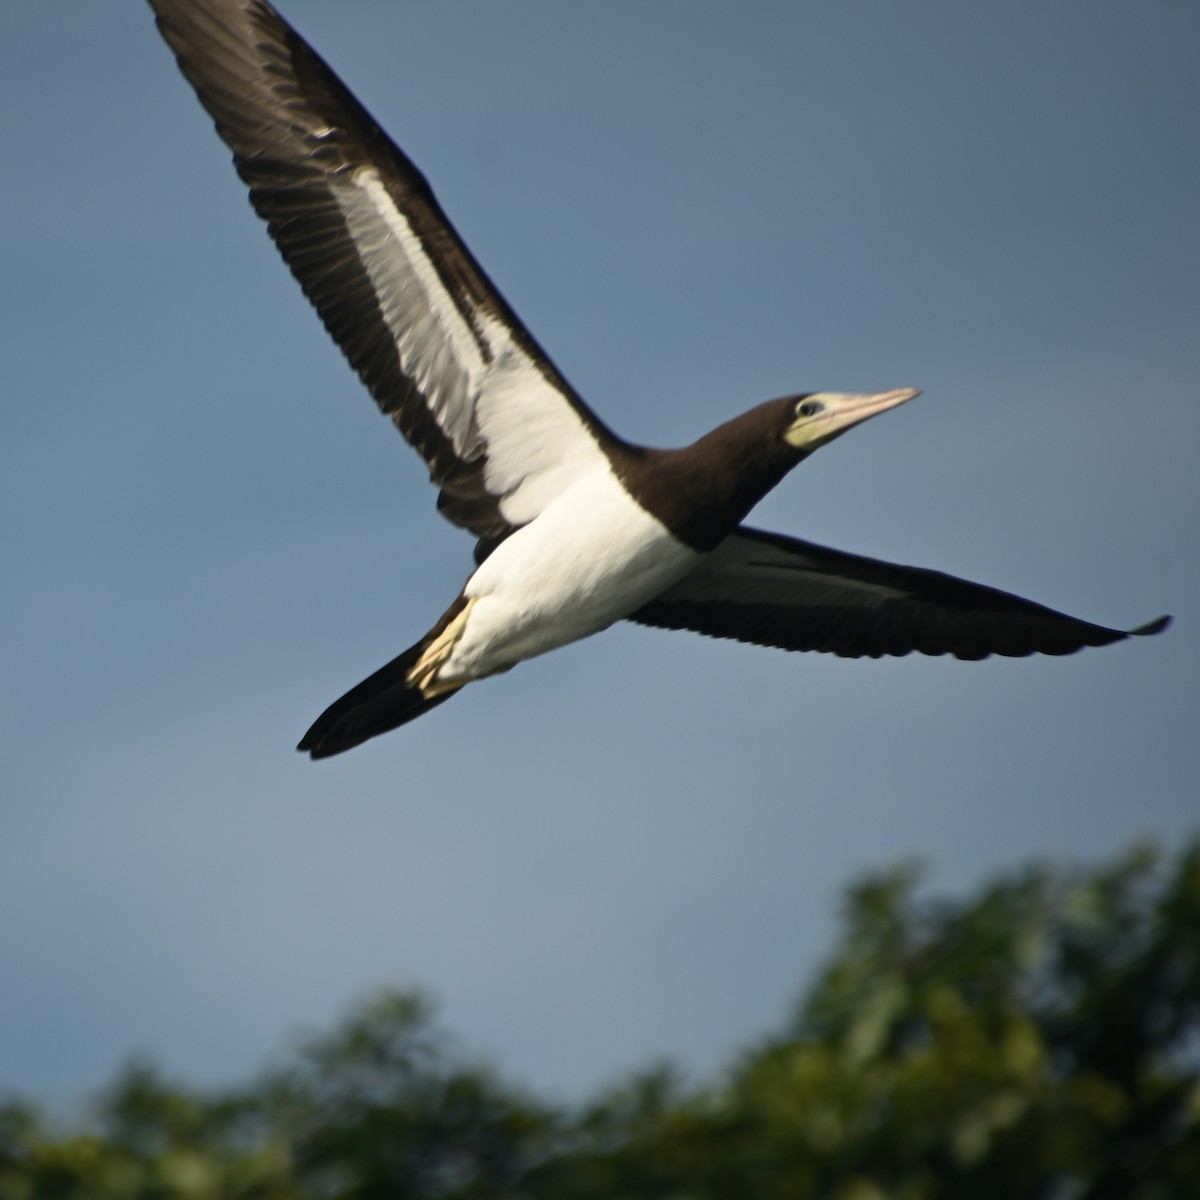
(590,558)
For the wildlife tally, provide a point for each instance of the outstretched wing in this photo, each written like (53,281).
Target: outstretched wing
(778,591)
(438,347)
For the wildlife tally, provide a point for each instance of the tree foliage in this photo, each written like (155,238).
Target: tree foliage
(1039,1040)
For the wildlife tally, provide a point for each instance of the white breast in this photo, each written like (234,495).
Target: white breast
(592,557)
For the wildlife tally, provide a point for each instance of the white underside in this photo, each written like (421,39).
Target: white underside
(592,557)
(584,555)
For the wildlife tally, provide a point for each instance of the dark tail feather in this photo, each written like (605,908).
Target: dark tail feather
(381,702)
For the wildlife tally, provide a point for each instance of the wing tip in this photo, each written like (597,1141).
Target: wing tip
(1152,627)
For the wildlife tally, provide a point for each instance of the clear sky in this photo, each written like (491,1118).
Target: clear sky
(635,846)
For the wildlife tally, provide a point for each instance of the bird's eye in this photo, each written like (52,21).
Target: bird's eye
(810,408)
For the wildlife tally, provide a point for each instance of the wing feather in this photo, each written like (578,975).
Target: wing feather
(778,591)
(433,340)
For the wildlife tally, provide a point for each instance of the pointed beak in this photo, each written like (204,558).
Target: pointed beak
(838,411)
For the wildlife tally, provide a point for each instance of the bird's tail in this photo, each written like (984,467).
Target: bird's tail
(381,702)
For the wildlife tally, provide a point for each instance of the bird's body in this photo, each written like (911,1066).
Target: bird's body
(576,529)
(590,558)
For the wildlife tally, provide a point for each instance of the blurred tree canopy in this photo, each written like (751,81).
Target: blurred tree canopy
(1039,1040)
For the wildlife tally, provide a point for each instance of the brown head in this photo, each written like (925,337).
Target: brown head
(704,490)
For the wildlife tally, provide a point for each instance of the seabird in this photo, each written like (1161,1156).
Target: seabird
(576,528)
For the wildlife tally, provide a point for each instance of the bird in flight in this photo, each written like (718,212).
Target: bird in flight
(576,528)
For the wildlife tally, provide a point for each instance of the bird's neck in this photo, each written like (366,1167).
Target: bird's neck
(704,491)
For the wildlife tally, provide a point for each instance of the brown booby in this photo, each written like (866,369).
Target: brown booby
(576,528)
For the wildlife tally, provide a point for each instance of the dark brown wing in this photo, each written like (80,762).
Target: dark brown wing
(778,591)
(436,344)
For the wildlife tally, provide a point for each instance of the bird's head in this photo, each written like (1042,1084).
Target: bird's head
(821,416)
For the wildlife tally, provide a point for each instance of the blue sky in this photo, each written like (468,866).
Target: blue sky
(636,846)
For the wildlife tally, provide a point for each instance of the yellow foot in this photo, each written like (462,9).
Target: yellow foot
(424,672)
